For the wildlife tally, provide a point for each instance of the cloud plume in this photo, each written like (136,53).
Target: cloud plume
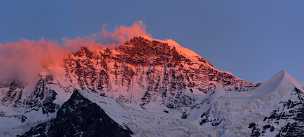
(124,33)
(23,60)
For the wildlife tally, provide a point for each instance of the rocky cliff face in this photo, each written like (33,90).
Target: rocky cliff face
(13,94)
(138,71)
(19,104)
(142,69)
(43,96)
(284,121)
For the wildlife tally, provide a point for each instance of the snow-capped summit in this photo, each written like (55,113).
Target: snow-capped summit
(266,111)
(182,50)
(280,83)
(281,102)
(281,78)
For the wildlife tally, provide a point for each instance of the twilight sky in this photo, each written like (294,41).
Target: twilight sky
(252,39)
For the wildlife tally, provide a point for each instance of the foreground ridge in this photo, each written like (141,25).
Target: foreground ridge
(79,117)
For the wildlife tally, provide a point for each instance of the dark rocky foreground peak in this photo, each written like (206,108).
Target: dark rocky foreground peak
(79,117)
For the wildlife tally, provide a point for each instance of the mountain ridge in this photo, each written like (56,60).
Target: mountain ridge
(155,89)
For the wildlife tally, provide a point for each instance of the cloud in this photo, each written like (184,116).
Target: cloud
(124,33)
(23,60)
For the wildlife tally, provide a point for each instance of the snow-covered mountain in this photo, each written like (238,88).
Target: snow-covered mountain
(148,88)
(264,111)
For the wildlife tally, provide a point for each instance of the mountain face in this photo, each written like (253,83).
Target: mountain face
(148,88)
(141,69)
(43,96)
(13,94)
(79,117)
(273,109)
(286,120)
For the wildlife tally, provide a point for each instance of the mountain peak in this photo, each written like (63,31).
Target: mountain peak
(284,77)
(157,51)
(167,42)
(86,117)
(145,66)
(280,83)
(182,50)
(283,73)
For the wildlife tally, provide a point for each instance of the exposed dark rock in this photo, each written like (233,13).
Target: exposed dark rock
(43,97)
(48,105)
(184,115)
(14,94)
(211,117)
(255,131)
(288,119)
(79,117)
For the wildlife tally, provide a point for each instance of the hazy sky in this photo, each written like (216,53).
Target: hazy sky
(253,39)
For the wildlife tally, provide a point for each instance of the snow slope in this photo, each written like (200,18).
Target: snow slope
(218,114)
(237,110)
(229,113)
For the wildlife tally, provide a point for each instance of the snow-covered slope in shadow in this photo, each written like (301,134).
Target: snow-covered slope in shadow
(79,117)
(154,121)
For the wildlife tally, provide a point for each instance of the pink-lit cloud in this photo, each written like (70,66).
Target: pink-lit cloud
(124,33)
(25,59)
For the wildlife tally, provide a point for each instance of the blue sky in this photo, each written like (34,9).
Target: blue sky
(252,39)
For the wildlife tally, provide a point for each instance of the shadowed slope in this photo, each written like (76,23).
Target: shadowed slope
(79,117)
